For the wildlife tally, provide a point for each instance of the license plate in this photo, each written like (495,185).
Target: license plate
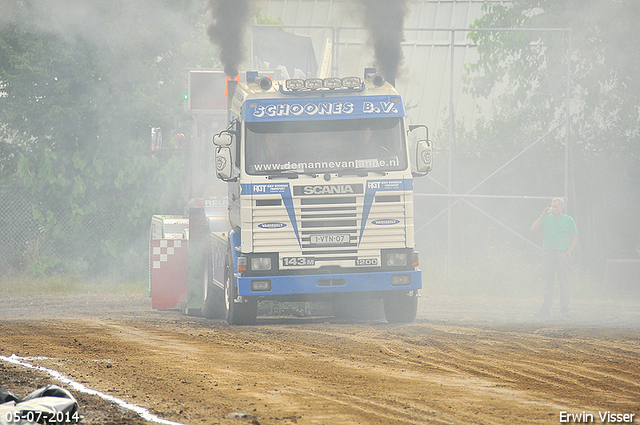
(330,239)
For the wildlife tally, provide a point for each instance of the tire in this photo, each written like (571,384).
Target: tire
(401,307)
(213,305)
(244,313)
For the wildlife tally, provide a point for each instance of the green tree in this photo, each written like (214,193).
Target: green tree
(81,84)
(605,99)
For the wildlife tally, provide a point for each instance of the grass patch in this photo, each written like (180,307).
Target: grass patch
(28,284)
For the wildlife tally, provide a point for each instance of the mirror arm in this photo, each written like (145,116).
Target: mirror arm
(232,128)
(416,126)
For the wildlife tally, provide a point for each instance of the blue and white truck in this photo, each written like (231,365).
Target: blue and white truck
(320,200)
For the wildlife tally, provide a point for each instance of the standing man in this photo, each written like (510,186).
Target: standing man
(559,239)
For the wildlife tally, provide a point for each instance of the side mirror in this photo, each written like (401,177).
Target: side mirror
(424,157)
(223,163)
(222,139)
(421,149)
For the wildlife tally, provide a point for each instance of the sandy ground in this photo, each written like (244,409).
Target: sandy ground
(464,361)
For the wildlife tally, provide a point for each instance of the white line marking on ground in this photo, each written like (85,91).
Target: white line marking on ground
(144,413)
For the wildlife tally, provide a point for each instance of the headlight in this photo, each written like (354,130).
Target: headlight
(294,84)
(396,259)
(260,264)
(313,83)
(332,82)
(352,82)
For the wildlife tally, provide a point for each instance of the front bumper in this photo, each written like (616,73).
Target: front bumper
(333,283)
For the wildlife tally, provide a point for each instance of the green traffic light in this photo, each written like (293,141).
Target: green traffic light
(186,96)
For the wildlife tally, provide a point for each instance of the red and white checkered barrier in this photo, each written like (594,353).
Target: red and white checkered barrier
(169,273)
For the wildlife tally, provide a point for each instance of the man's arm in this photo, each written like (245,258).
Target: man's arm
(536,224)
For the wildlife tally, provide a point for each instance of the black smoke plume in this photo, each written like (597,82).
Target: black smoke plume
(229,28)
(384,20)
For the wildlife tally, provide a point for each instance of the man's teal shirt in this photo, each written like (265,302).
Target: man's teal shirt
(558,232)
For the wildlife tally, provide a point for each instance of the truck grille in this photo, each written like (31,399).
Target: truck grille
(322,219)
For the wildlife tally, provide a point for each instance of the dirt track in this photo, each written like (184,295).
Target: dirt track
(462,362)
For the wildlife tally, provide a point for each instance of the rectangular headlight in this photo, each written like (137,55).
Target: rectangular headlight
(261,285)
(294,84)
(332,82)
(313,83)
(352,82)
(260,264)
(396,259)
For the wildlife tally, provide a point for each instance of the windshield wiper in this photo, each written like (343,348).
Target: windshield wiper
(360,172)
(287,174)
(353,172)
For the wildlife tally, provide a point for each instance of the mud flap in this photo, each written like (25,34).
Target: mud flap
(238,313)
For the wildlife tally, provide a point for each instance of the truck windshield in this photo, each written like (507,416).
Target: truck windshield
(325,146)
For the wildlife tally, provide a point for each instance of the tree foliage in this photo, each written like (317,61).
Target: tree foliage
(531,67)
(81,84)
(605,86)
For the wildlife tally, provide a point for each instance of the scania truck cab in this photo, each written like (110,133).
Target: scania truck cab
(320,197)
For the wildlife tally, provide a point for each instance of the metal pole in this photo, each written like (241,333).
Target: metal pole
(568,120)
(251,58)
(335,39)
(466,196)
(194,141)
(452,135)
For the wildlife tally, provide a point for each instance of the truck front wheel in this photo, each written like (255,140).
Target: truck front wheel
(238,313)
(401,307)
